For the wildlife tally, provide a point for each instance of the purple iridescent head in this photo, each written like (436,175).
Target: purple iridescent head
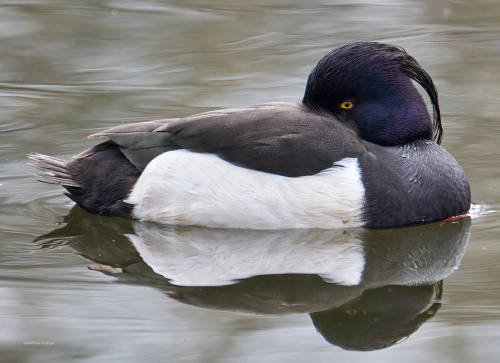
(369,84)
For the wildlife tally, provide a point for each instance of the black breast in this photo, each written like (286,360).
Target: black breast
(412,184)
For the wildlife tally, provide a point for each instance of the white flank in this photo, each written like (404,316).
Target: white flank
(187,188)
(195,256)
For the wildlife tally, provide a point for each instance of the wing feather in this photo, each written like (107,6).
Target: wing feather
(279,138)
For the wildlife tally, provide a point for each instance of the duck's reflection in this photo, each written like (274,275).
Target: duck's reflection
(363,289)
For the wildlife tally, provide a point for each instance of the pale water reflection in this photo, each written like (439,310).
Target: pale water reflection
(70,68)
(364,290)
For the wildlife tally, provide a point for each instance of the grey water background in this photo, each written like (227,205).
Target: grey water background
(70,68)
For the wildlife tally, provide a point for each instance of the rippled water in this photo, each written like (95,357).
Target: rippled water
(69,68)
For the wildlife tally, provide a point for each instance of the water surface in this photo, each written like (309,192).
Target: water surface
(70,68)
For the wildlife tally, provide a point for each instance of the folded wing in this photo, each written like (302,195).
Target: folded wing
(278,138)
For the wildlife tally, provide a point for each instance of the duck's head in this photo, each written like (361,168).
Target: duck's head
(370,85)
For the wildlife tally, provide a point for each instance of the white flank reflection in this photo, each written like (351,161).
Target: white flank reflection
(196,256)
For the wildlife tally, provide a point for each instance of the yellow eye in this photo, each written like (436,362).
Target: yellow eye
(347,105)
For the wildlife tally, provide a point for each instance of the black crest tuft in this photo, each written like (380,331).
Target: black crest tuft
(412,69)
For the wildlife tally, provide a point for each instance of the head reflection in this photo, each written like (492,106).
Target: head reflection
(379,317)
(363,289)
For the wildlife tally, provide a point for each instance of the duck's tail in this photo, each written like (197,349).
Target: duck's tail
(53,170)
(98,180)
